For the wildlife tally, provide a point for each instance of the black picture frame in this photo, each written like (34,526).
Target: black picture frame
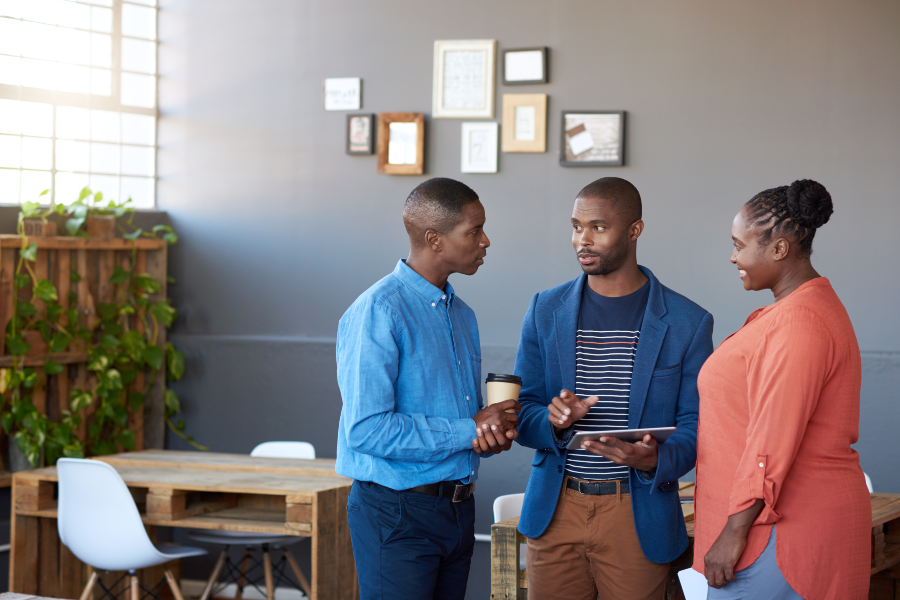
(361,149)
(545,52)
(565,157)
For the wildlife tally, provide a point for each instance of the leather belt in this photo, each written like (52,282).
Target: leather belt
(599,488)
(454,490)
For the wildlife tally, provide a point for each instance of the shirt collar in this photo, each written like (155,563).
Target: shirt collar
(431,294)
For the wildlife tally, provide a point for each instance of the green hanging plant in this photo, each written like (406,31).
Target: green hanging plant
(123,346)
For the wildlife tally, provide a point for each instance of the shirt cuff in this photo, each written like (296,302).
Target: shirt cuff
(462,432)
(566,437)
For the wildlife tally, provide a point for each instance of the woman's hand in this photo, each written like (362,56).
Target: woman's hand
(726,551)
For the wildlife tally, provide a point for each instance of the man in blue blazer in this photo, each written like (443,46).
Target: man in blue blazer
(612,349)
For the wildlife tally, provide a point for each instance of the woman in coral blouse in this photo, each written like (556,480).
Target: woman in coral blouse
(782,510)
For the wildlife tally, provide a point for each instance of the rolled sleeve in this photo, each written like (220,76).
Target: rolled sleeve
(786,376)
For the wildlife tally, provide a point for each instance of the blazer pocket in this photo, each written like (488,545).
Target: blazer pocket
(539,457)
(665,372)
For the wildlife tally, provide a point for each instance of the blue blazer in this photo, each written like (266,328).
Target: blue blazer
(676,339)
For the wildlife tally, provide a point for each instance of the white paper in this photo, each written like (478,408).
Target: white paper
(464,82)
(402,143)
(693,584)
(581,142)
(524,66)
(479,148)
(342,93)
(525,125)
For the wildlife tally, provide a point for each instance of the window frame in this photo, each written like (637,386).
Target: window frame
(91,101)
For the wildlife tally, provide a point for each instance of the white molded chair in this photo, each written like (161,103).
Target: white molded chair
(868,482)
(297,450)
(100,523)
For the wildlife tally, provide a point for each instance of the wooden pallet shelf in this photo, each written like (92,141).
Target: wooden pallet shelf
(94,260)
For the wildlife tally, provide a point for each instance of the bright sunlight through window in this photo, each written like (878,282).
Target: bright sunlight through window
(78,99)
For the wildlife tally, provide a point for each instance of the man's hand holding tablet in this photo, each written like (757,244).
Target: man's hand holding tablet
(567,409)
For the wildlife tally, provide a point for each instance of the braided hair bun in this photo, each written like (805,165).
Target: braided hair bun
(809,203)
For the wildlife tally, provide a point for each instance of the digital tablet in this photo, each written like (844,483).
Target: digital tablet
(660,434)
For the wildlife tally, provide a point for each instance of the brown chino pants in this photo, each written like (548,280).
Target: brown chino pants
(591,547)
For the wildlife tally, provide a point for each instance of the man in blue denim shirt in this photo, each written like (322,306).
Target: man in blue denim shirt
(409,370)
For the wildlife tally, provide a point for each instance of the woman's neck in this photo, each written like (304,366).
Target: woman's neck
(801,272)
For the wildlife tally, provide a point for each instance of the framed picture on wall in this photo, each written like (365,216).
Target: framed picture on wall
(343,93)
(524,122)
(360,134)
(479,147)
(463,85)
(525,66)
(592,138)
(401,143)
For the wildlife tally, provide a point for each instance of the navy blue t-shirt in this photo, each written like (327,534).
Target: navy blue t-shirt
(605,346)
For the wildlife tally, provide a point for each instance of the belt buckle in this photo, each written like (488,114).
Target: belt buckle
(580,490)
(462,493)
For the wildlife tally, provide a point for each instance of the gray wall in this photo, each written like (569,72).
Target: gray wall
(281,230)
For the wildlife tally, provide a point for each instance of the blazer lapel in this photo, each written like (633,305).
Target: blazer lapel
(653,332)
(566,317)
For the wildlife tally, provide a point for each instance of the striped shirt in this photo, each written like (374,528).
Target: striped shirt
(605,346)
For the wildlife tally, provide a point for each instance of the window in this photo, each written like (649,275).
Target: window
(78,99)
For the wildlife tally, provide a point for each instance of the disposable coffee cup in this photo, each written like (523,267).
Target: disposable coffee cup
(503,387)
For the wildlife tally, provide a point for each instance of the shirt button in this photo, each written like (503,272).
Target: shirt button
(444,297)
(433,304)
(473,472)
(467,398)
(762,465)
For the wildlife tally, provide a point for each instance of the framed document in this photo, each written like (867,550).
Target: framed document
(592,138)
(360,134)
(525,66)
(343,93)
(401,143)
(479,147)
(464,79)
(524,122)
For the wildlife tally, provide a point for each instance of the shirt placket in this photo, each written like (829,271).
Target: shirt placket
(468,407)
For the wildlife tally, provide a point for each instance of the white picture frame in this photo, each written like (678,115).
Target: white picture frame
(342,93)
(464,79)
(479,147)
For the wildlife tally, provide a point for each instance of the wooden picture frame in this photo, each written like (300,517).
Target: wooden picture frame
(479,147)
(592,138)
(463,80)
(526,66)
(361,134)
(524,123)
(407,155)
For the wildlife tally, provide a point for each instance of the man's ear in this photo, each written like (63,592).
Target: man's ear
(433,240)
(636,229)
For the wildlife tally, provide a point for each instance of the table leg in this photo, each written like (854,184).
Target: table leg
(333,568)
(23,561)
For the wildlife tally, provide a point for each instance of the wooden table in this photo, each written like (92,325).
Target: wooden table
(509,582)
(200,491)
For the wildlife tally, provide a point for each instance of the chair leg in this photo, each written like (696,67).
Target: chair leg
(90,586)
(267,566)
(304,584)
(215,575)
(135,590)
(242,580)
(176,590)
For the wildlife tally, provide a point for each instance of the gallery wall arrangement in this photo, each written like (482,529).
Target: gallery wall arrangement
(464,87)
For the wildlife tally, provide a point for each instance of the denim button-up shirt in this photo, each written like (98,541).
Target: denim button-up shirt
(409,370)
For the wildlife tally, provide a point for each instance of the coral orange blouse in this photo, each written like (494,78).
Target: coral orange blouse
(779,409)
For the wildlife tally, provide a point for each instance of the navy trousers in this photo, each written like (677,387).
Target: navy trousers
(410,545)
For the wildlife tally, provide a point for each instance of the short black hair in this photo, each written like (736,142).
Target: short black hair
(796,210)
(435,204)
(624,196)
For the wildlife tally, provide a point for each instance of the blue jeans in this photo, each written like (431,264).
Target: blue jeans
(762,580)
(410,545)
